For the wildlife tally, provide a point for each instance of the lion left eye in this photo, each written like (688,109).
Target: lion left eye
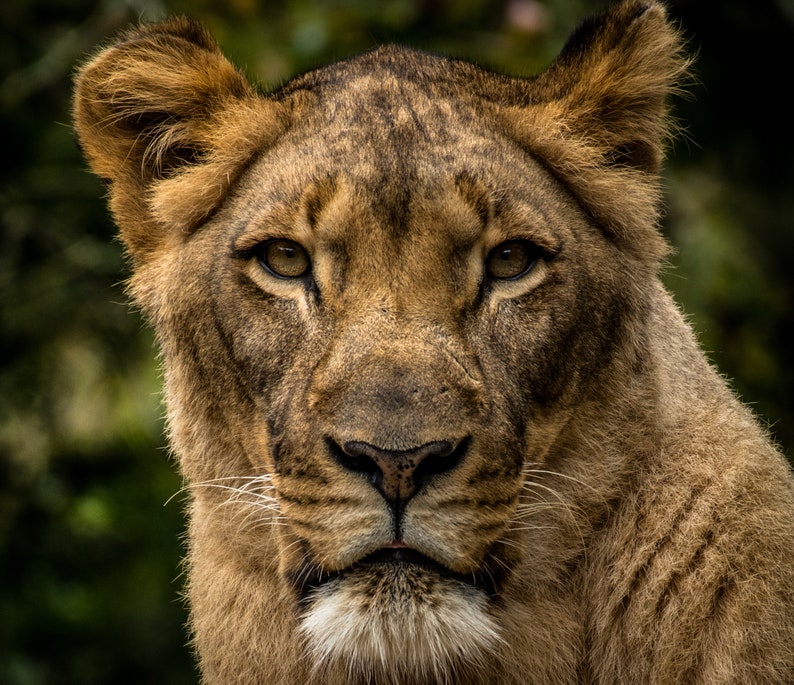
(284,258)
(512,259)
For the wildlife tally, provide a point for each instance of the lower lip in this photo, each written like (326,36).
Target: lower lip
(401,553)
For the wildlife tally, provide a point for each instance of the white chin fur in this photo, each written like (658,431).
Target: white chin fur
(398,626)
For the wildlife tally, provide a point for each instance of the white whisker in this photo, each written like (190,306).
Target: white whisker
(248,498)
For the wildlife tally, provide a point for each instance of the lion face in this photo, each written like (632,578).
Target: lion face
(393,349)
(380,293)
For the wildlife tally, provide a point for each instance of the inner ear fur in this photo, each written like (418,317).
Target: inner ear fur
(598,118)
(169,122)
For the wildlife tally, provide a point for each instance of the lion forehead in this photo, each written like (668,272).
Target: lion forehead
(398,166)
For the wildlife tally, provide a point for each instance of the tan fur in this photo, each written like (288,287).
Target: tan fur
(404,468)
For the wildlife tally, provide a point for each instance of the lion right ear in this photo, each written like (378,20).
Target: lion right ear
(598,117)
(169,122)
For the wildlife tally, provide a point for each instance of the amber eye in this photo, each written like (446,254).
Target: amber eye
(512,259)
(284,258)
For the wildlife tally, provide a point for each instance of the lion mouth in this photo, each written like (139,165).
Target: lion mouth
(403,555)
(390,558)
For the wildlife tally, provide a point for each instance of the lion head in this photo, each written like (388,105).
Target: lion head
(392,297)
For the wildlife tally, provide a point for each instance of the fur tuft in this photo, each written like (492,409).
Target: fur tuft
(396,634)
(599,117)
(170,123)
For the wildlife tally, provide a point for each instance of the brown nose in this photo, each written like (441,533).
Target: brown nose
(397,475)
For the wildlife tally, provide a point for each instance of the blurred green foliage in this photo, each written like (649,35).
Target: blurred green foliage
(90,516)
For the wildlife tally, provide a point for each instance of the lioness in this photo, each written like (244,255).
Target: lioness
(440,421)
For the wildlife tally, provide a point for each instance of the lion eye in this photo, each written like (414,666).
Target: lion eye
(512,259)
(284,258)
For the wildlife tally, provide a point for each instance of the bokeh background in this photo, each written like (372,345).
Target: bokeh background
(90,510)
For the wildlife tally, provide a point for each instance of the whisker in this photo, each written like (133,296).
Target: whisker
(557,474)
(540,503)
(248,499)
(529,527)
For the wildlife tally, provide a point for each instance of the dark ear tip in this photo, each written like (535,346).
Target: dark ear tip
(640,9)
(638,154)
(616,20)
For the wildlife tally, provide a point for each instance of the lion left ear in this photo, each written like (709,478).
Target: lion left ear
(169,122)
(598,116)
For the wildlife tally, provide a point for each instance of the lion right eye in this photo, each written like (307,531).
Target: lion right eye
(512,259)
(283,258)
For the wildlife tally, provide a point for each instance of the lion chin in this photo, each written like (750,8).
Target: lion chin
(399,622)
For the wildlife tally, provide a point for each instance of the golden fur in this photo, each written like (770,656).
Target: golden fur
(439,419)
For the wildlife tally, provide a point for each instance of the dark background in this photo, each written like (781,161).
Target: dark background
(90,510)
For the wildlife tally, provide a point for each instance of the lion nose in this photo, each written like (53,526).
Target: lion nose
(398,474)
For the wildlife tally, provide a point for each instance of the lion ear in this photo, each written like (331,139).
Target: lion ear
(169,122)
(598,115)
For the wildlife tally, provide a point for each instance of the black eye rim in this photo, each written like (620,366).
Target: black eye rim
(534,251)
(259,252)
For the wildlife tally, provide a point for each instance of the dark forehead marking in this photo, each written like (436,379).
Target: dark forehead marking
(317,195)
(392,125)
(476,194)
(399,136)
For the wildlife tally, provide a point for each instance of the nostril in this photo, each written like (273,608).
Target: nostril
(440,460)
(355,461)
(398,474)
